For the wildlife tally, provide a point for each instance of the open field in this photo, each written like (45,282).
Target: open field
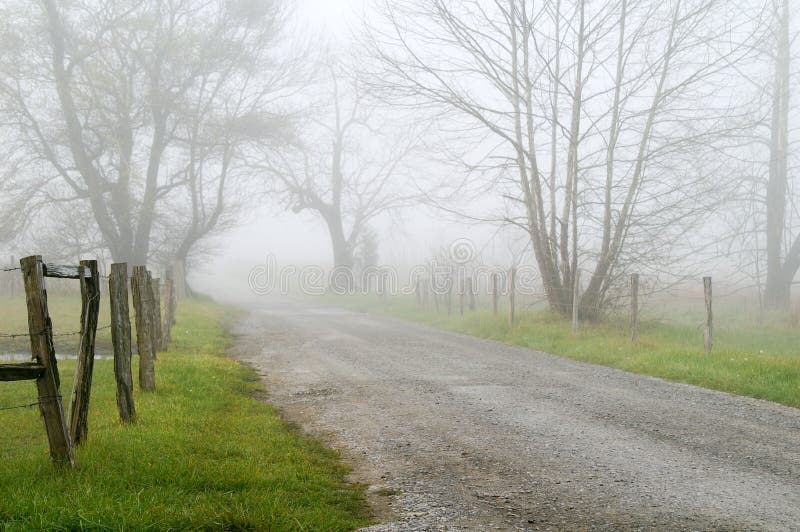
(755,361)
(204,454)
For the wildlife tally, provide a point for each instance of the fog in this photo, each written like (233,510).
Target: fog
(605,138)
(528,264)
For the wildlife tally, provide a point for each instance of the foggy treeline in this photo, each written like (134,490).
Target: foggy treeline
(655,136)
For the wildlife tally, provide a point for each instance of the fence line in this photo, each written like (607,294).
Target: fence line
(154,335)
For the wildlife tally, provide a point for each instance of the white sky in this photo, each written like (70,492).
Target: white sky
(329,18)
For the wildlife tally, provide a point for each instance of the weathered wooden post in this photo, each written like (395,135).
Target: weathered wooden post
(470,294)
(169,312)
(449,296)
(150,298)
(425,287)
(121,338)
(156,284)
(709,331)
(634,307)
(461,288)
(418,292)
(512,287)
(495,293)
(179,280)
(43,350)
(576,301)
(12,280)
(435,288)
(140,289)
(90,310)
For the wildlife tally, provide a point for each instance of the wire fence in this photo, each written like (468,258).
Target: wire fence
(42,401)
(53,334)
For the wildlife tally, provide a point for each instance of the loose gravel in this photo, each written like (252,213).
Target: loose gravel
(457,433)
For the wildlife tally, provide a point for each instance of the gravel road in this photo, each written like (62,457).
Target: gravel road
(453,432)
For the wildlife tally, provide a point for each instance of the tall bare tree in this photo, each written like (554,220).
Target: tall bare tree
(347,164)
(108,98)
(593,116)
(783,248)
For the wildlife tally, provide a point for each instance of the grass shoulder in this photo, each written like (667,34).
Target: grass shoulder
(759,362)
(204,453)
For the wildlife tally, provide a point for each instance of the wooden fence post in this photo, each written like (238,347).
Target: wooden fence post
(155,286)
(461,289)
(576,293)
(435,293)
(471,294)
(179,280)
(169,312)
(140,289)
(449,301)
(495,293)
(90,311)
(12,285)
(121,338)
(425,284)
(634,307)
(512,286)
(418,292)
(709,331)
(43,350)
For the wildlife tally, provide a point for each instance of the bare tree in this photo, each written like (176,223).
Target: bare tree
(596,118)
(763,231)
(347,165)
(111,98)
(783,248)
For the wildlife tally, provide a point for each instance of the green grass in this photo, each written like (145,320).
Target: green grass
(204,454)
(65,312)
(761,362)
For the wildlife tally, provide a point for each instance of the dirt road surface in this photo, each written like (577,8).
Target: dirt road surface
(454,432)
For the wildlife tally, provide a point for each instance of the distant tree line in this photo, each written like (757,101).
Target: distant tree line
(610,132)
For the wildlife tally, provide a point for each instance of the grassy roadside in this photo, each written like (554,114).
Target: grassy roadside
(204,454)
(757,362)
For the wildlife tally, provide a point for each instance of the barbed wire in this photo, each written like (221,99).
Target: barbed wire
(44,400)
(55,335)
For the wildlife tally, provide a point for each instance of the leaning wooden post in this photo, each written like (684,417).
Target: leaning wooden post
(634,307)
(121,338)
(709,332)
(90,310)
(576,301)
(141,304)
(512,287)
(495,293)
(43,350)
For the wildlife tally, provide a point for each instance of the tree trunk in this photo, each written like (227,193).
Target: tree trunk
(779,278)
(342,278)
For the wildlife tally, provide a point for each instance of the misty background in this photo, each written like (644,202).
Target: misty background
(608,137)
